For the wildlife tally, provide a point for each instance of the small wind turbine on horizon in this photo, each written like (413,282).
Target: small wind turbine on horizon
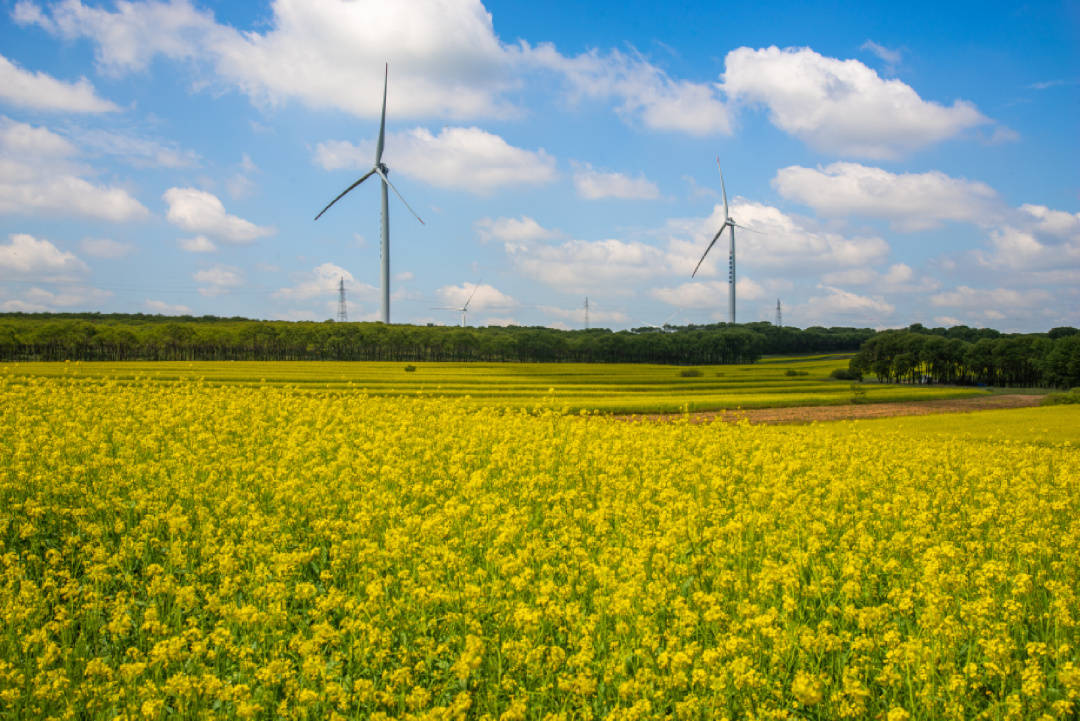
(380,169)
(464,309)
(729,222)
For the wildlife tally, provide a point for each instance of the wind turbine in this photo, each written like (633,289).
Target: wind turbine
(729,222)
(380,169)
(463,309)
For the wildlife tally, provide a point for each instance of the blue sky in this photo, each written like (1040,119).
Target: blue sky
(901,162)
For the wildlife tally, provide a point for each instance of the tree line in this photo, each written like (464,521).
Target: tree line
(117,337)
(923,355)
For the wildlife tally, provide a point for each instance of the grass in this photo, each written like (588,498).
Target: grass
(610,388)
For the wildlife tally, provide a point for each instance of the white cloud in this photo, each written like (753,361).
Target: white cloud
(105,248)
(468,159)
(897,278)
(447,61)
(38,177)
(134,150)
(709,294)
(37,300)
(911,201)
(969,298)
(30,142)
(645,91)
(781,241)
(845,306)
(594,184)
(218,279)
(162,308)
(1035,238)
(484,296)
(201,212)
(578,265)
(25,255)
(40,91)
(198,244)
(841,106)
(891,58)
(512,230)
(322,282)
(404,277)
(1054,222)
(947,320)
(596,315)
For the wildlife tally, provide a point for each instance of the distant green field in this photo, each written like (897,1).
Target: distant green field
(1047,426)
(611,388)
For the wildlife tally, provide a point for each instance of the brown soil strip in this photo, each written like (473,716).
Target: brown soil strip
(809,414)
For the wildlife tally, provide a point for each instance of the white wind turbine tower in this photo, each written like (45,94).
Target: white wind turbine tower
(380,169)
(729,222)
(463,309)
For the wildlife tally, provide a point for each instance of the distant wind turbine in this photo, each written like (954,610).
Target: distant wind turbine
(381,170)
(463,309)
(729,222)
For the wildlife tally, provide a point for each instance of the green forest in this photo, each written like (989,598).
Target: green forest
(959,355)
(922,355)
(51,337)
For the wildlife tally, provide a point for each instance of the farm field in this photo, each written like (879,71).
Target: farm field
(185,549)
(613,388)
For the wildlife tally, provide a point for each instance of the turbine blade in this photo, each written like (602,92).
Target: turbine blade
(402,197)
(342,195)
(475,288)
(722,188)
(743,227)
(382,123)
(715,237)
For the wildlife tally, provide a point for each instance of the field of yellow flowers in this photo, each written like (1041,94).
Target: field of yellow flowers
(183,550)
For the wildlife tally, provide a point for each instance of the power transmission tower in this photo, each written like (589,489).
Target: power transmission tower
(342,309)
(586,312)
(779,315)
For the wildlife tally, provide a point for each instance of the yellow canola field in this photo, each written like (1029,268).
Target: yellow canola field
(176,550)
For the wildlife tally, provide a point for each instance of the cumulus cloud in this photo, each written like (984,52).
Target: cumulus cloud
(897,278)
(467,159)
(841,106)
(40,176)
(40,91)
(28,256)
(911,201)
(577,265)
(198,244)
(447,60)
(781,241)
(162,308)
(322,282)
(1034,238)
(595,184)
(201,212)
(218,279)
(839,305)
(577,315)
(708,294)
(135,150)
(512,230)
(965,297)
(36,300)
(483,296)
(644,92)
(105,248)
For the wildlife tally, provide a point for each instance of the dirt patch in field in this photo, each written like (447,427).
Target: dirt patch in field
(809,414)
